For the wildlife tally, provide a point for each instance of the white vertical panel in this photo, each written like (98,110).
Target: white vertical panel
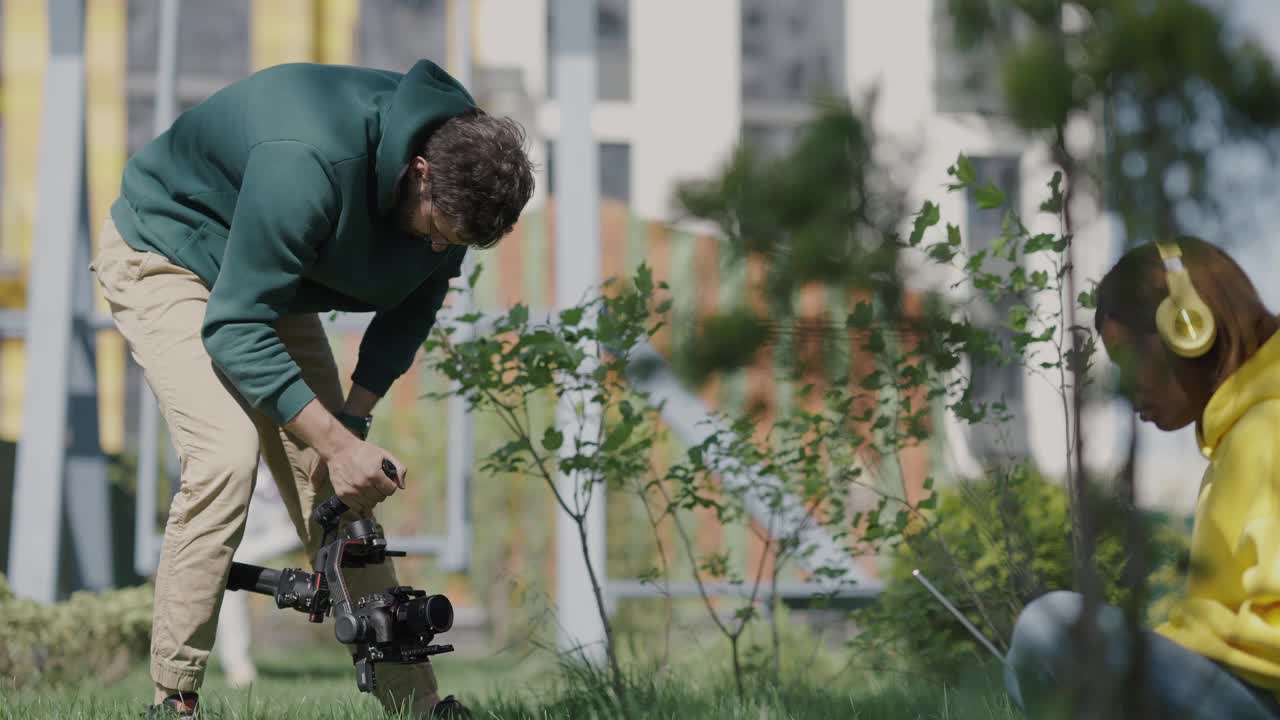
(577,263)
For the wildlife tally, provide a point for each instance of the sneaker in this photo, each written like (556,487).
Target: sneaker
(178,705)
(450,709)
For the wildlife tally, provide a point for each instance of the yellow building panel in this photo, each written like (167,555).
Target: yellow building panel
(107,117)
(282,32)
(14,363)
(22,69)
(339,21)
(106,67)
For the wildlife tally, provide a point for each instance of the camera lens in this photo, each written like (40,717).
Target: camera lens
(433,613)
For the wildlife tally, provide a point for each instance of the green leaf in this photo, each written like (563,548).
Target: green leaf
(1038,243)
(552,439)
(570,317)
(1000,247)
(953,235)
(1018,279)
(1040,279)
(872,381)
(941,252)
(695,455)
(875,342)
(1054,203)
(474,277)
(617,436)
(928,216)
(1018,316)
(929,503)
(518,314)
(644,279)
(965,171)
(1088,299)
(862,315)
(989,197)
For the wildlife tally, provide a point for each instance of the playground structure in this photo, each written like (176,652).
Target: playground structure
(60,426)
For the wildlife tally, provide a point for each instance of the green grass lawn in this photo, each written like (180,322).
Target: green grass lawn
(315,684)
(319,685)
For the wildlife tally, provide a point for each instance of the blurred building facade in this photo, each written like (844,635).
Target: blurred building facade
(679,85)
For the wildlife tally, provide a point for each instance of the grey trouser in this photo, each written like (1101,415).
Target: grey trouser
(1180,683)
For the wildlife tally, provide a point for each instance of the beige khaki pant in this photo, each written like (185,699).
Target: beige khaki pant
(159,308)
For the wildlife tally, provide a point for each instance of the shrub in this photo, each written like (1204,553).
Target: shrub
(996,545)
(99,633)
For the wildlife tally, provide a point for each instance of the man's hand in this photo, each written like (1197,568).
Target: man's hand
(352,465)
(357,476)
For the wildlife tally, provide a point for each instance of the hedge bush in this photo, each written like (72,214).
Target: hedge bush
(101,634)
(995,545)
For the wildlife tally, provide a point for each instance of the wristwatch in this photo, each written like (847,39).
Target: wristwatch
(358,424)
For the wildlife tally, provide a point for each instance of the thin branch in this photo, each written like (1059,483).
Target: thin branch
(693,557)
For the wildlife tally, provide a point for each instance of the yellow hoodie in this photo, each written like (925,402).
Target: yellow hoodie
(1230,611)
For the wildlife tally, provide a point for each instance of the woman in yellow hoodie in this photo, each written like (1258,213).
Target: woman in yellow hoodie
(1218,655)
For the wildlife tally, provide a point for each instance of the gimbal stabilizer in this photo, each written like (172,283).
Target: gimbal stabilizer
(396,625)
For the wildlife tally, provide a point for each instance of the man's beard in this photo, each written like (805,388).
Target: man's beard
(404,217)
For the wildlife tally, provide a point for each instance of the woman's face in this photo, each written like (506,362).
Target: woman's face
(1149,380)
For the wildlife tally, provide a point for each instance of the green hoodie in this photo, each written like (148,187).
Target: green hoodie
(278,193)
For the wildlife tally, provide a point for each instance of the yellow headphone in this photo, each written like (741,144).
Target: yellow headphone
(1185,323)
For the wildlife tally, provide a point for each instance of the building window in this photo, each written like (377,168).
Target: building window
(213,52)
(966,80)
(793,52)
(213,38)
(551,167)
(994,384)
(614,171)
(769,139)
(613,50)
(395,34)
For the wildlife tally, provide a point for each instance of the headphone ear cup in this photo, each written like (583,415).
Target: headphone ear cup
(1187,329)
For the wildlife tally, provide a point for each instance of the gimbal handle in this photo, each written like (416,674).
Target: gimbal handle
(328,512)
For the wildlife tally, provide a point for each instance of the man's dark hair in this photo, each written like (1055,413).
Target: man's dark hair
(481,177)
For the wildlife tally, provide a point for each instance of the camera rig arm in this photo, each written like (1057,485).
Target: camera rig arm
(395,625)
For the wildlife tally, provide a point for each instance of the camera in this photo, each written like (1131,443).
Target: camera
(396,625)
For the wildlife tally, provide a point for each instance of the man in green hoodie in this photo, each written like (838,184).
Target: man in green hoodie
(298,190)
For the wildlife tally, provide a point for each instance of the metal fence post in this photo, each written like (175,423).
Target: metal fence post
(577,263)
(146,548)
(461,444)
(60,367)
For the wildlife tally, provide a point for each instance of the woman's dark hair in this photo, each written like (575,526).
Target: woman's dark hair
(1132,290)
(481,176)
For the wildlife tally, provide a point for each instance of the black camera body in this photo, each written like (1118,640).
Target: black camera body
(395,625)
